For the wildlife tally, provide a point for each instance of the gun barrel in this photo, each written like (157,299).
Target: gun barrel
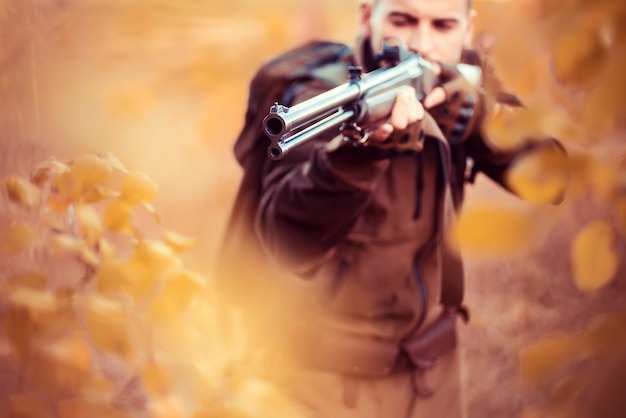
(278,149)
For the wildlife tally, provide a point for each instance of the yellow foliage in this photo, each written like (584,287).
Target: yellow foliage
(45,170)
(22,192)
(542,360)
(579,52)
(91,170)
(176,295)
(179,242)
(19,237)
(594,260)
(117,216)
(489,230)
(89,224)
(138,187)
(108,326)
(540,177)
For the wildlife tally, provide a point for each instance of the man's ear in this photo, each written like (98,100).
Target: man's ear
(471,19)
(365,14)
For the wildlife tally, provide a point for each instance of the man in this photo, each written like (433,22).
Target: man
(364,294)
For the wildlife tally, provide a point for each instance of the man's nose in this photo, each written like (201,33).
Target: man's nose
(422,41)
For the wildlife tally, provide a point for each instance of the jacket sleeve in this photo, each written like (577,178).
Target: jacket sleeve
(311,198)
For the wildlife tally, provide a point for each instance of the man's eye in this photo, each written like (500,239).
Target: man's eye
(399,21)
(444,24)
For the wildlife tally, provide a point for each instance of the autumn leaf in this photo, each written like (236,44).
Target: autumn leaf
(45,170)
(90,225)
(107,326)
(91,170)
(137,187)
(19,237)
(540,177)
(544,359)
(579,53)
(117,216)
(593,257)
(179,242)
(490,230)
(22,192)
(176,295)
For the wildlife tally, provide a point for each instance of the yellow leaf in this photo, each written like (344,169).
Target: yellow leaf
(116,163)
(179,242)
(491,230)
(138,187)
(112,277)
(505,128)
(45,170)
(89,223)
(60,245)
(579,53)
(594,260)
(176,295)
(151,262)
(117,216)
(22,192)
(543,359)
(91,170)
(67,186)
(541,176)
(19,237)
(108,327)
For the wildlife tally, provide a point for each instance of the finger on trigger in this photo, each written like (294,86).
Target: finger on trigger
(435,97)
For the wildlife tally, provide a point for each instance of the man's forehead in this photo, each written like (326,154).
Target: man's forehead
(450,4)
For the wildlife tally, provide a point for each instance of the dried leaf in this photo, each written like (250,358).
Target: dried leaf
(46,170)
(91,170)
(112,277)
(19,237)
(579,53)
(26,279)
(594,259)
(540,177)
(89,224)
(22,192)
(491,230)
(176,295)
(107,326)
(543,359)
(63,245)
(117,216)
(138,187)
(179,242)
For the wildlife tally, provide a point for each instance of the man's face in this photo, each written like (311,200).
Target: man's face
(437,29)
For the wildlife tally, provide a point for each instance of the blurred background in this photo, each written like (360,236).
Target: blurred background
(162,85)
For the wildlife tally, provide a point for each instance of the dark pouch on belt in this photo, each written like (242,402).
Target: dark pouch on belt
(354,354)
(438,339)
